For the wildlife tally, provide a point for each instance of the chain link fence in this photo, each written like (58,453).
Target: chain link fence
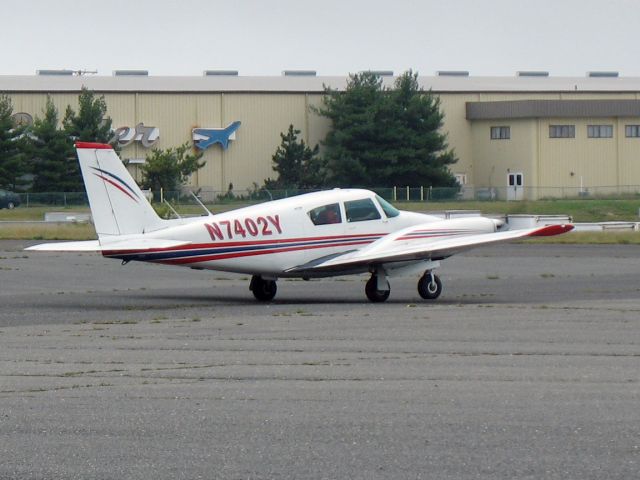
(393,194)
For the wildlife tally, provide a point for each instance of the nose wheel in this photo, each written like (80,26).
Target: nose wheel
(429,286)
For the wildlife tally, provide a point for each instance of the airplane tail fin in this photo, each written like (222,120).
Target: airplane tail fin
(117,203)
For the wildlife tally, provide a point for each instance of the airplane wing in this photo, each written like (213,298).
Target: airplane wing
(95,246)
(406,246)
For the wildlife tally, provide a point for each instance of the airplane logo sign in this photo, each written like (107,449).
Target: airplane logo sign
(147,136)
(203,138)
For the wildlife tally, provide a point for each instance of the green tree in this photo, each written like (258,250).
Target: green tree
(297,165)
(90,124)
(350,144)
(169,169)
(385,136)
(13,164)
(53,161)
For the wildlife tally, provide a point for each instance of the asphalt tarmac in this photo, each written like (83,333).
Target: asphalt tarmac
(526,367)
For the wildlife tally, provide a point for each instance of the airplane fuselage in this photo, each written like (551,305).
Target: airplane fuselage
(270,239)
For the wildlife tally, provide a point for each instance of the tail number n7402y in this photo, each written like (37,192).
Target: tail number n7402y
(243,228)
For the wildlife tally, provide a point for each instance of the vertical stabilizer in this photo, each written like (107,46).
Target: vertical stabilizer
(117,203)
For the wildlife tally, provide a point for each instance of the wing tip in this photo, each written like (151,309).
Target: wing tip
(551,230)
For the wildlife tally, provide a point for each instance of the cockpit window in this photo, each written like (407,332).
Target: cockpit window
(361,210)
(388,209)
(325,215)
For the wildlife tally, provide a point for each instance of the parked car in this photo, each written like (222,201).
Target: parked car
(9,199)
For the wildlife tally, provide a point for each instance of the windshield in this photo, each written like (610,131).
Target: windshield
(389,210)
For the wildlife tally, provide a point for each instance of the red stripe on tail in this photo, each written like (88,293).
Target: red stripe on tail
(96,146)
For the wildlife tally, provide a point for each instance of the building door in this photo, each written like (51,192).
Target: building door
(515,186)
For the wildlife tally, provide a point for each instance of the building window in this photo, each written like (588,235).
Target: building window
(632,131)
(600,131)
(562,131)
(500,133)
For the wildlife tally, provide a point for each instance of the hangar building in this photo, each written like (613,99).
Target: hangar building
(522,137)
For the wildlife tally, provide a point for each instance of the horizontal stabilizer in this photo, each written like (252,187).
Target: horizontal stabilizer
(121,244)
(142,244)
(86,246)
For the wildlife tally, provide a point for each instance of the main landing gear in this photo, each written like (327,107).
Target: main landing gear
(377,288)
(374,289)
(263,290)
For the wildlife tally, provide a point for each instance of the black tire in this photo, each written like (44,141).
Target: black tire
(263,290)
(372,292)
(11,205)
(427,289)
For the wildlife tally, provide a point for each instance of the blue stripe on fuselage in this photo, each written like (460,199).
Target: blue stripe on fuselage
(196,252)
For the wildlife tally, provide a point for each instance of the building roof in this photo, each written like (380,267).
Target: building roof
(308,83)
(552,109)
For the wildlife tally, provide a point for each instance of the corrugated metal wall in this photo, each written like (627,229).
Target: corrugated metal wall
(495,158)
(545,162)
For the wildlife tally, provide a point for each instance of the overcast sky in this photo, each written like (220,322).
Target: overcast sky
(333,37)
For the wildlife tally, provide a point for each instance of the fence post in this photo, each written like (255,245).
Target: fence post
(395,194)
(161,195)
(64,197)
(421,193)
(408,193)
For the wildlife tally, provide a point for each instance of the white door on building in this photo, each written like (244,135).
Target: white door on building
(515,186)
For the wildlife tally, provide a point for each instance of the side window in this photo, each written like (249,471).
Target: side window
(325,215)
(361,210)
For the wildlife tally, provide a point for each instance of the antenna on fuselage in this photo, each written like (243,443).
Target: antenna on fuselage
(172,209)
(202,204)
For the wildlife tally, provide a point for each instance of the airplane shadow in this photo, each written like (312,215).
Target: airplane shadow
(248,300)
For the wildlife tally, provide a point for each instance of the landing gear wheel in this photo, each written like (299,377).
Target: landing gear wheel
(429,286)
(373,294)
(263,290)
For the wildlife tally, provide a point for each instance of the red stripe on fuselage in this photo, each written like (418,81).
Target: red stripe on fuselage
(421,235)
(224,256)
(366,238)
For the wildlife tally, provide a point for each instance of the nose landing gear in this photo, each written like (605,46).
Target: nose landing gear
(429,286)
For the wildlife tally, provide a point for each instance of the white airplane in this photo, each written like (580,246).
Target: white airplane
(322,234)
